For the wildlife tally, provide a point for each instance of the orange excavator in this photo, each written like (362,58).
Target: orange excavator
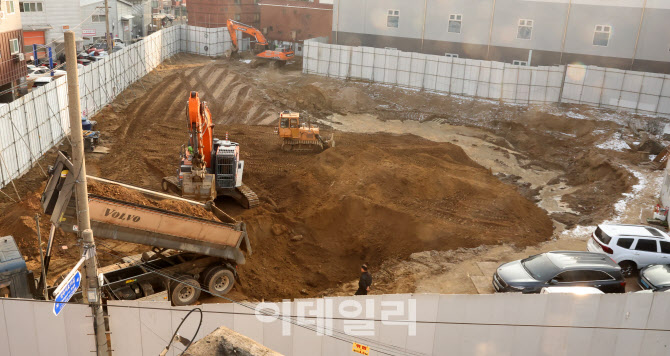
(279,55)
(209,167)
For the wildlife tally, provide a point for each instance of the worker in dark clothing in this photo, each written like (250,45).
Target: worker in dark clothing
(365,282)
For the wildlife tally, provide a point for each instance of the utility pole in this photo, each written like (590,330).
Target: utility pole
(108,35)
(90,287)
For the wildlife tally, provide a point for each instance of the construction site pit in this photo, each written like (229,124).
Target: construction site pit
(415,179)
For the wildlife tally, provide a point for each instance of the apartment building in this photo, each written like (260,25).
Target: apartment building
(626,34)
(12,60)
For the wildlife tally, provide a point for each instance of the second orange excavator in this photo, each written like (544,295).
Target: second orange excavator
(277,56)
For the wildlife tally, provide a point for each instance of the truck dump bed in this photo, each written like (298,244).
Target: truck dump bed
(129,222)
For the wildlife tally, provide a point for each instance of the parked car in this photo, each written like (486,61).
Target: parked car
(631,246)
(560,269)
(655,278)
(571,290)
(41,81)
(37,72)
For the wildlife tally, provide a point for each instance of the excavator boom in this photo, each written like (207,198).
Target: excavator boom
(200,128)
(234,26)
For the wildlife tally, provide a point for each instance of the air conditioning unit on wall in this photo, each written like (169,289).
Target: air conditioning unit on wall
(22,57)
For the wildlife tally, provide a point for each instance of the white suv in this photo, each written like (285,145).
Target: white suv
(631,246)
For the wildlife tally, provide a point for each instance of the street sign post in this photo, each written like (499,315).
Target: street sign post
(67,293)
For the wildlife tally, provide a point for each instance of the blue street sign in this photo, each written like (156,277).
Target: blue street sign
(67,293)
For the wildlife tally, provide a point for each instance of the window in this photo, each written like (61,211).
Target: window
(237,2)
(14,46)
(625,242)
(665,246)
(455,23)
(98,18)
(654,232)
(596,276)
(603,237)
(257,17)
(10,6)
(569,276)
(451,55)
(525,29)
(646,245)
(30,6)
(519,63)
(601,37)
(238,17)
(393,18)
(582,276)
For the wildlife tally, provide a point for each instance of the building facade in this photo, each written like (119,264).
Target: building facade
(94,22)
(625,34)
(215,13)
(45,21)
(296,21)
(12,61)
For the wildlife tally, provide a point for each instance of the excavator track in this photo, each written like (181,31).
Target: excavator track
(249,196)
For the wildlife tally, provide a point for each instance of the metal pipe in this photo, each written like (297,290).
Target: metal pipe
(493,12)
(423,30)
(337,22)
(565,32)
(639,29)
(39,241)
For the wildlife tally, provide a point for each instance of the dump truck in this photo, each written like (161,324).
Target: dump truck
(186,251)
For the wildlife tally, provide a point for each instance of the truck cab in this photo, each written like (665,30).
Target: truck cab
(15,279)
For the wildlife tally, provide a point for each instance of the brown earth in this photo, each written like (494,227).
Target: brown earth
(374,197)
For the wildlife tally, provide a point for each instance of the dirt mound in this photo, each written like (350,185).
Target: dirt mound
(136,197)
(372,199)
(600,180)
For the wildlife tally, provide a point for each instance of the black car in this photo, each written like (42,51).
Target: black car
(655,278)
(560,268)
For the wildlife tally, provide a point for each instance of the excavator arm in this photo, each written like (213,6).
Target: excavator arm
(234,26)
(200,128)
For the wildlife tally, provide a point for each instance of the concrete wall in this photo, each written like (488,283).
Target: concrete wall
(500,324)
(30,328)
(490,32)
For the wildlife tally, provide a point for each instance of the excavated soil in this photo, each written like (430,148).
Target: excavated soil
(375,197)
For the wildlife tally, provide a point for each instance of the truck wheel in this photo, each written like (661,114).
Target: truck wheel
(220,280)
(186,292)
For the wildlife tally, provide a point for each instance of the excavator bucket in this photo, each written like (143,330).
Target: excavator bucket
(193,187)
